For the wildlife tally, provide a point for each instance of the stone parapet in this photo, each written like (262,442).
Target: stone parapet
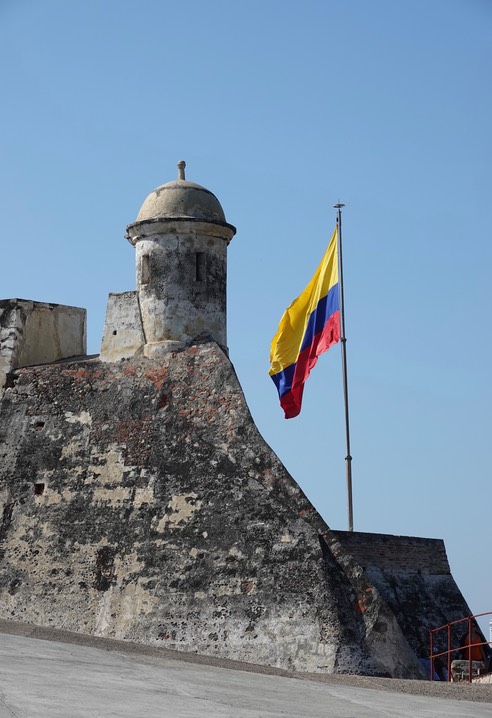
(412,554)
(38,333)
(123,331)
(412,574)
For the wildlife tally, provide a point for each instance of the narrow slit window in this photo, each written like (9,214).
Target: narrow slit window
(145,269)
(200,267)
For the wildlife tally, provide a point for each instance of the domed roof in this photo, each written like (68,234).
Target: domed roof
(181,200)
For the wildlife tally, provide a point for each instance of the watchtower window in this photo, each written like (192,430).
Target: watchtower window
(145,269)
(200,263)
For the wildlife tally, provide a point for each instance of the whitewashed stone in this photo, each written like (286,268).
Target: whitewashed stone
(34,333)
(123,333)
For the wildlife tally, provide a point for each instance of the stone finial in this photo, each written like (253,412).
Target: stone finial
(181,169)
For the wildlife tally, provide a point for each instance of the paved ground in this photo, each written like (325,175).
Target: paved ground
(55,674)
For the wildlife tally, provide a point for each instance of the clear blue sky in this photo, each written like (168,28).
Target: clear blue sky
(281,108)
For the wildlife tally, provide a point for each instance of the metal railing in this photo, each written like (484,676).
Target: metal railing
(447,655)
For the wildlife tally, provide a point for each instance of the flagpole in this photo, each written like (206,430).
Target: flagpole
(343,340)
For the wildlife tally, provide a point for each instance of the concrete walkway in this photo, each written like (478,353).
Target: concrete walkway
(53,679)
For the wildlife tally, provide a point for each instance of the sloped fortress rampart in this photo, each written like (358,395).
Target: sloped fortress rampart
(139,501)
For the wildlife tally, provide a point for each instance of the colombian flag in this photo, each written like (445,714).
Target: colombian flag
(307,329)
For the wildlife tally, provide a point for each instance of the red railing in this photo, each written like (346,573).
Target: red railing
(467,647)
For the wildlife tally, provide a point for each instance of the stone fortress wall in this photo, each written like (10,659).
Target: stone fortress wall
(139,501)
(413,576)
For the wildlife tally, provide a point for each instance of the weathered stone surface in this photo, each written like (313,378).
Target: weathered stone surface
(181,240)
(140,502)
(38,333)
(123,332)
(181,278)
(413,576)
(184,200)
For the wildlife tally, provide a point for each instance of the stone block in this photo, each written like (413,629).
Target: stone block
(123,335)
(33,333)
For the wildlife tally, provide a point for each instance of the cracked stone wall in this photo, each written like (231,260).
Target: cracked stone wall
(138,501)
